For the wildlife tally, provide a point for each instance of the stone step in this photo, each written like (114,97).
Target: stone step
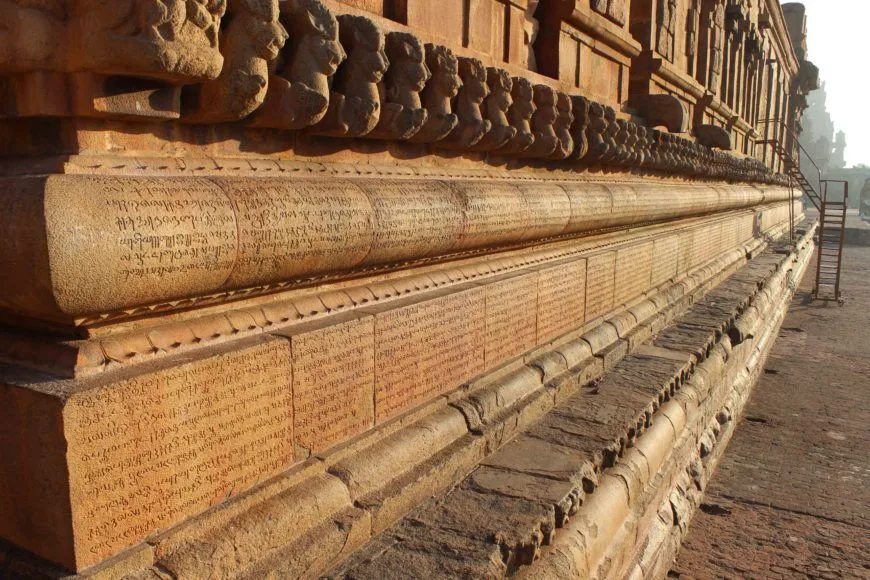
(514,502)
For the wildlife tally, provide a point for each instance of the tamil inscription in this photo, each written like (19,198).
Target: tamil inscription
(599,284)
(495,213)
(333,382)
(633,272)
(666,253)
(510,318)
(151,450)
(290,229)
(549,209)
(591,206)
(561,299)
(137,240)
(414,219)
(426,349)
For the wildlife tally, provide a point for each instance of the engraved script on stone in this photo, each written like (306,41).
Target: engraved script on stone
(427,349)
(151,450)
(510,318)
(599,284)
(157,239)
(296,228)
(666,253)
(414,219)
(333,383)
(633,272)
(561,299)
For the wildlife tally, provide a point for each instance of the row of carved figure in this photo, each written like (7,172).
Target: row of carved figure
(293,65)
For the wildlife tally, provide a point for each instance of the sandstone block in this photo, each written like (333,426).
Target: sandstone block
(333,381)
(510,318)
(561,299)
(426,349)
(119,458)
(600,283)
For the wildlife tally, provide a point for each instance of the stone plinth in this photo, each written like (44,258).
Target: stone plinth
(93,467)
(273,272)
(98,464)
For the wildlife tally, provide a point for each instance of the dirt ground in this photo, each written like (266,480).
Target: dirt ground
(791,498)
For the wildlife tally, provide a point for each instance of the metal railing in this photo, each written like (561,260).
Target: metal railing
(788,147)
(832,212)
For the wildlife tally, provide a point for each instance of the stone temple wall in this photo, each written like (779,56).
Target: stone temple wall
(260,251)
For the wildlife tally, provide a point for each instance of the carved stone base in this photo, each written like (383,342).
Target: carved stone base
(95,465)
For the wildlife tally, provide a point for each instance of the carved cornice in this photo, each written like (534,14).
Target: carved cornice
(600,28)
(295,66)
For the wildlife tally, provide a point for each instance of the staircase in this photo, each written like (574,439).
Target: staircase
(832,226)
(832,209)
(790,156)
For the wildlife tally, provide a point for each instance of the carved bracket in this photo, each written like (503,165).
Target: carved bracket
(714,137)
(355,99)
(662,110)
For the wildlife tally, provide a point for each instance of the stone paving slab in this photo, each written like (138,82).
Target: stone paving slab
(791,497)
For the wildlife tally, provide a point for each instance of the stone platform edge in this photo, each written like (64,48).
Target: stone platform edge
(634,522)
(317,504)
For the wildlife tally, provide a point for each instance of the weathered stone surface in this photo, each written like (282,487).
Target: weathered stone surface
(242,541)
(510,319)
(600,281)
(517,526)
(539,458)
(561,299)
(333,382)
(421,551)
(161,240)
(147,451)
(424,350)
(606,437)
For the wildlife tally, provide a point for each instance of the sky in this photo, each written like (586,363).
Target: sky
(838,42)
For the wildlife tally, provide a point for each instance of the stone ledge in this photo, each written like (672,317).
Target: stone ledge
(640,540)
(547,453)
(117,343)
(167,244)
(518,403)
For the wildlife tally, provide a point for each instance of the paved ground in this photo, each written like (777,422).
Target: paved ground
(791,498)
